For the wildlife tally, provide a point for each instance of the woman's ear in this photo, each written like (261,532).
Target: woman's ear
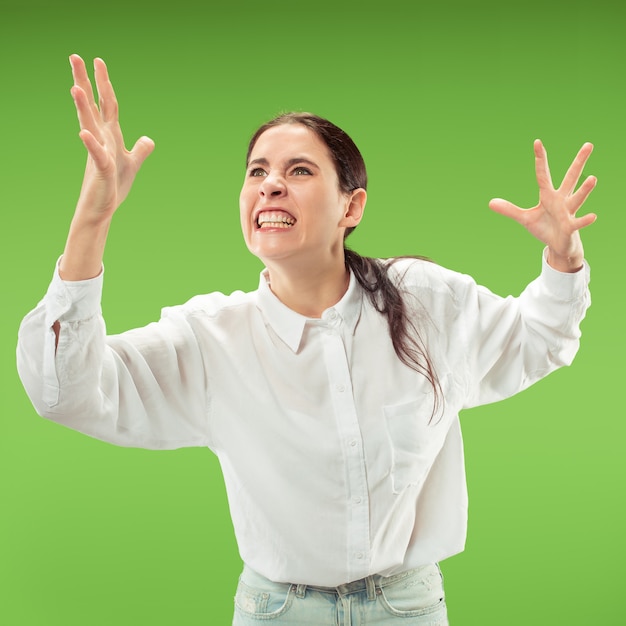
(355,206)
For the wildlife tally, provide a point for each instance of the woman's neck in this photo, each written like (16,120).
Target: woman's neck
(312,291)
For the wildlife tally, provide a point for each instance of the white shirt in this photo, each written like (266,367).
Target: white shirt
(333,466)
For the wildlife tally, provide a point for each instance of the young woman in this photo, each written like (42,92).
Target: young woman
(331,394)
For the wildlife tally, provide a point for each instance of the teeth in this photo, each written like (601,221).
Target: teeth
(275,219)
(275,225)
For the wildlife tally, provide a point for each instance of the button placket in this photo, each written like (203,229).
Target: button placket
(357,498)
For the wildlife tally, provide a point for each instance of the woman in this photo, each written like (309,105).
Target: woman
(330,394)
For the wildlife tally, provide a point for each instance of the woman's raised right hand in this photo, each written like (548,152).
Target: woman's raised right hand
(111,169)
(109,174)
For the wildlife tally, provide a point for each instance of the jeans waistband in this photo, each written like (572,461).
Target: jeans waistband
(370,584)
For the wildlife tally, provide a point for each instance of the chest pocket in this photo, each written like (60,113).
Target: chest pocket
(415,440)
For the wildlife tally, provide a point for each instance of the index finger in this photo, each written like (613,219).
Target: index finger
(542,169)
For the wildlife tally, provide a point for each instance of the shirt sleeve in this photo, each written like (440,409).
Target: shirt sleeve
(511,343)
(143,388)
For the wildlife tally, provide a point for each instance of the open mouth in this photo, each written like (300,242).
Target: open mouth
(274,219)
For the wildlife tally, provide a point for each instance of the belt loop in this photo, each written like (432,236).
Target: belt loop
(300,590)
(370,585)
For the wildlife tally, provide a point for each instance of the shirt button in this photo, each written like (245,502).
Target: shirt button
(353,443)
(340,388)
(332,314)
(359,555)
(357,500)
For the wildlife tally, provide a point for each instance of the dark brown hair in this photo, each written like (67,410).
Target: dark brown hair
(372,274)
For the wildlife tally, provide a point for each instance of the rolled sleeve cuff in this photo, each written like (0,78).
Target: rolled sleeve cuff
(72,301)
(565,285)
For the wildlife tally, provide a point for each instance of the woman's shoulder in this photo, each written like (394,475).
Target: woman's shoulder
(212,304)
(422,273)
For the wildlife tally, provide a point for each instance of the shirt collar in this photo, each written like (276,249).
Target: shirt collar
(289,325)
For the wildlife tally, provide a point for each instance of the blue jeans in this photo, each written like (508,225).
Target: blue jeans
(413,598)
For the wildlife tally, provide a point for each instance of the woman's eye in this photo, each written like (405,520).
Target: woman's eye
(302,171)
(257,171)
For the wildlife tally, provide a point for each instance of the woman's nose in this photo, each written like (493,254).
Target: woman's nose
(273,186)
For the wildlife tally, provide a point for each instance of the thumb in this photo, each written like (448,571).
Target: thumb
(506,208)
(142,149)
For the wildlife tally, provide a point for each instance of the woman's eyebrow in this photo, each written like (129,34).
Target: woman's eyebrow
(260,161)
(263,161)
(296,160)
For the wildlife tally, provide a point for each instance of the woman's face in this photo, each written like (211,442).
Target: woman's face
(291,206)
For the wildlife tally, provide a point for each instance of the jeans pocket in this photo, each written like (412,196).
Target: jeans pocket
(418,593)
(263,603)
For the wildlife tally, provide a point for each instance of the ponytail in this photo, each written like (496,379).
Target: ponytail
(386,297)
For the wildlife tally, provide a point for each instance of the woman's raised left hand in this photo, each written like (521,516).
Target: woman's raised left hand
(553,220)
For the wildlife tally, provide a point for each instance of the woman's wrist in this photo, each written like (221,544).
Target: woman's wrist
(84,249)
(565,263)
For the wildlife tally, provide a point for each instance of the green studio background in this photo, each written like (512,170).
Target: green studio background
(444,102)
